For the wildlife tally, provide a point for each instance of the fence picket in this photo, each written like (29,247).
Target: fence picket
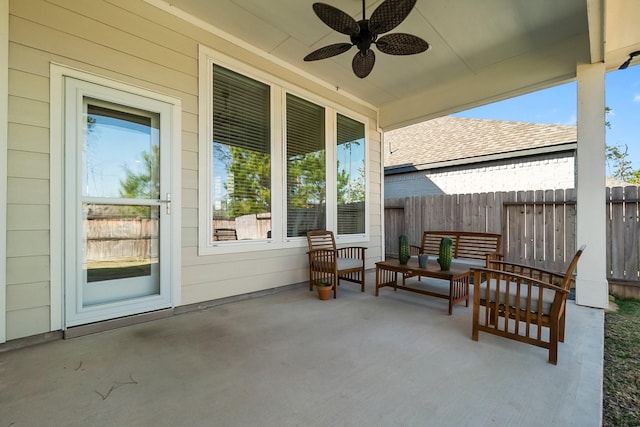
(631,235)
(617,231)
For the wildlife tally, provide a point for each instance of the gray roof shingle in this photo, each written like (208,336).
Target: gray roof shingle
(455,138)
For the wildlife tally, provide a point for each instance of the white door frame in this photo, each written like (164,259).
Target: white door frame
(57,201)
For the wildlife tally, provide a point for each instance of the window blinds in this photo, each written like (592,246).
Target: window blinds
(241,111)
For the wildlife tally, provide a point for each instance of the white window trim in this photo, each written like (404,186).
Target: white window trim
(279,88)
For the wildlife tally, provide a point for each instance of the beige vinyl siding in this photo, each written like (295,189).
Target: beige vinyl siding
(27,290)
(28,138)
(31,269)
(132,42)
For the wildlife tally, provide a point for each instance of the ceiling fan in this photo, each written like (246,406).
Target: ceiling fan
(365,32)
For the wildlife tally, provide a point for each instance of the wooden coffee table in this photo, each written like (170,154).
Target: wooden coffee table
(387,275)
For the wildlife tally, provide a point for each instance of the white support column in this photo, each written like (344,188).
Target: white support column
(4,125)
(592,288)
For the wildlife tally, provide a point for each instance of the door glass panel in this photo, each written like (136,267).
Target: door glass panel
(120,204)
(121,153)
(122,241)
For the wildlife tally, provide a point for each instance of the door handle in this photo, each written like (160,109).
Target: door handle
(167,201)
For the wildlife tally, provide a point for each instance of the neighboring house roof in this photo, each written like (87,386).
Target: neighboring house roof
(613,182)
(448,141)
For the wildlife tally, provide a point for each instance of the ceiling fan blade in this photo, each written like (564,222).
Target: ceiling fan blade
(401,44)
(362,63)
(389,15)
(336,19)
(328,51)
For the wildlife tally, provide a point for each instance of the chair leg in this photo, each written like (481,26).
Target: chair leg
(362,279)
(336,281)
(476,316)
(562,326)
(553,344)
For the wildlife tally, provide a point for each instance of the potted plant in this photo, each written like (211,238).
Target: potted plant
(324,290)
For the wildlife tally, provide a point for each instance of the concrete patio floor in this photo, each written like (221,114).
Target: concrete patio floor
(288,359)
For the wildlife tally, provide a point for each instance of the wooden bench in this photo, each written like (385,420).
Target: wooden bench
(469,248)
(221,234)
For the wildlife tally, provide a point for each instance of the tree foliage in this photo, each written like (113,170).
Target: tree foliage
(249,189)
(618,160)
(351,189)
(144,184)
(619,163)
(306,179)
(141,185)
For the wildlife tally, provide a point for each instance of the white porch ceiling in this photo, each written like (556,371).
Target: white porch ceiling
(481,51)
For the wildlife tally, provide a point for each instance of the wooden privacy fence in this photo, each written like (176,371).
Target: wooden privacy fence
(121,239)
(538,227)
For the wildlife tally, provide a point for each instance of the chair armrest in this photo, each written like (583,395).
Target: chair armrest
(526,270)
(352,252)
(322,254)
(415,250)
(513,277)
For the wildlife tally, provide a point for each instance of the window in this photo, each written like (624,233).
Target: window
(275,162)
(241,156)
(306,167)
(351,188)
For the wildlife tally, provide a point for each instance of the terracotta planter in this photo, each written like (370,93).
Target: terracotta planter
(324,292)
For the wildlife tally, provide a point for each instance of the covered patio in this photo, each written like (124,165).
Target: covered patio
(288,359)
(284,358)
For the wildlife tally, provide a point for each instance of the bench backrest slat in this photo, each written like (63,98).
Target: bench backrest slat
(466,245)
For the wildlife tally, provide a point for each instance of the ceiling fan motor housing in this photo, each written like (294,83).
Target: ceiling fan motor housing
(364,38)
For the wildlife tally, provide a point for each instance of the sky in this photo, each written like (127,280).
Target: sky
(557,105)
(112,146)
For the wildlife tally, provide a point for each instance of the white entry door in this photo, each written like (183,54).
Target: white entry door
(117,203)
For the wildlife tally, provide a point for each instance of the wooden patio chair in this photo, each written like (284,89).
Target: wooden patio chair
(330,264)
(519,301)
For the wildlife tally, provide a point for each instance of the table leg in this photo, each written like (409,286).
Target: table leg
(451,296)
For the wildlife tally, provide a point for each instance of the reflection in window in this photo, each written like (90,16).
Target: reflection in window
(241,155)
(269,152)
(121,241)
(351,176)
(121,153)
(306,167)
